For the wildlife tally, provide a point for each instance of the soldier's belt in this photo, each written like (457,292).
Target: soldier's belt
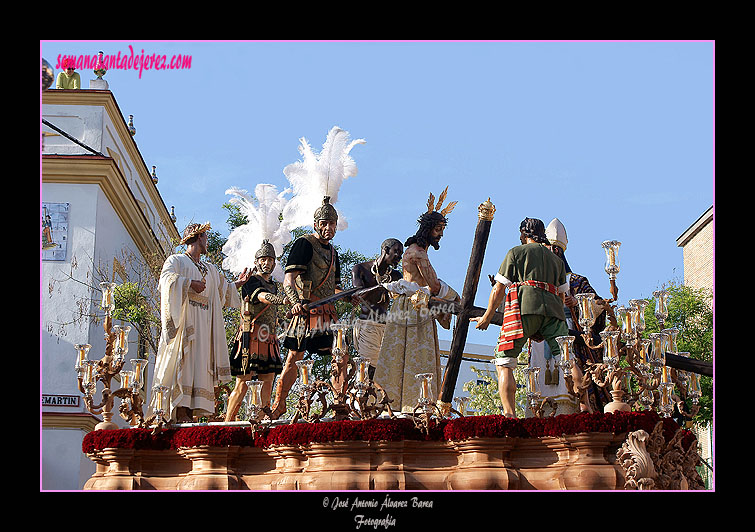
(320,318)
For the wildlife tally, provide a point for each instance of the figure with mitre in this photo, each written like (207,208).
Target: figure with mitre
(259,242)
(594,398)
(192,354)
(410,342)
(313,270)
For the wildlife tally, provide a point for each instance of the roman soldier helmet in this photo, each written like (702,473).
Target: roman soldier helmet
(266,250)
(326,211)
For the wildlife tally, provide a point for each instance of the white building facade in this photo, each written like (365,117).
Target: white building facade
(97,202)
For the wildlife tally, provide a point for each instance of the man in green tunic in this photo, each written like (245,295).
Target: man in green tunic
(536,281)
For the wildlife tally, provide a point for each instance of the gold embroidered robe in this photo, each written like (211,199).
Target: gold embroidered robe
(410,347)
(192,356)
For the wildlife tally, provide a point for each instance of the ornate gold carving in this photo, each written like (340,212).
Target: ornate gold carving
(486,210)
(420,300)
(635,459)
(650,462)
(366,402)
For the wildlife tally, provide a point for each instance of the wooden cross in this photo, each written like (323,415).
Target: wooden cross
(466,309)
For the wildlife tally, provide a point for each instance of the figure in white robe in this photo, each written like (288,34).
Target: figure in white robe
(192,355)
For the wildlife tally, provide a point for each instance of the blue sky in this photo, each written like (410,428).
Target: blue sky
(616,139)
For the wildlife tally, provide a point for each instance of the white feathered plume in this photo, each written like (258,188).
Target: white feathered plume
(317,176)
(263,213)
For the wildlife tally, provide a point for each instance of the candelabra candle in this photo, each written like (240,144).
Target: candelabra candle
(612,266)
(159,394)
(661,310)
(659,358)
(126,379)
(88,379)
(108,300)
(586,313)
(533,394)
(120,343)
(638,309)
(362,368)
(81,357)
(671,339)
(158,400)
(305,368)
(115,332)
(627,323)
(565,346)
(610,348)
(644,361)
(338,343)
(531,376)
(254,393)
(123,340)
(643,351)
(425,382)
(461,405)
(137,366)
(666,375)
(693,387)
(666,406)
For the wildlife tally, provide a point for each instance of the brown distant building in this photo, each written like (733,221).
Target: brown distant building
(698,248)
(697,243)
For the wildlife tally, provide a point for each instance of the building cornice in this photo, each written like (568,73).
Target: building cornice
(57,420)
(695,228)
(105,99)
